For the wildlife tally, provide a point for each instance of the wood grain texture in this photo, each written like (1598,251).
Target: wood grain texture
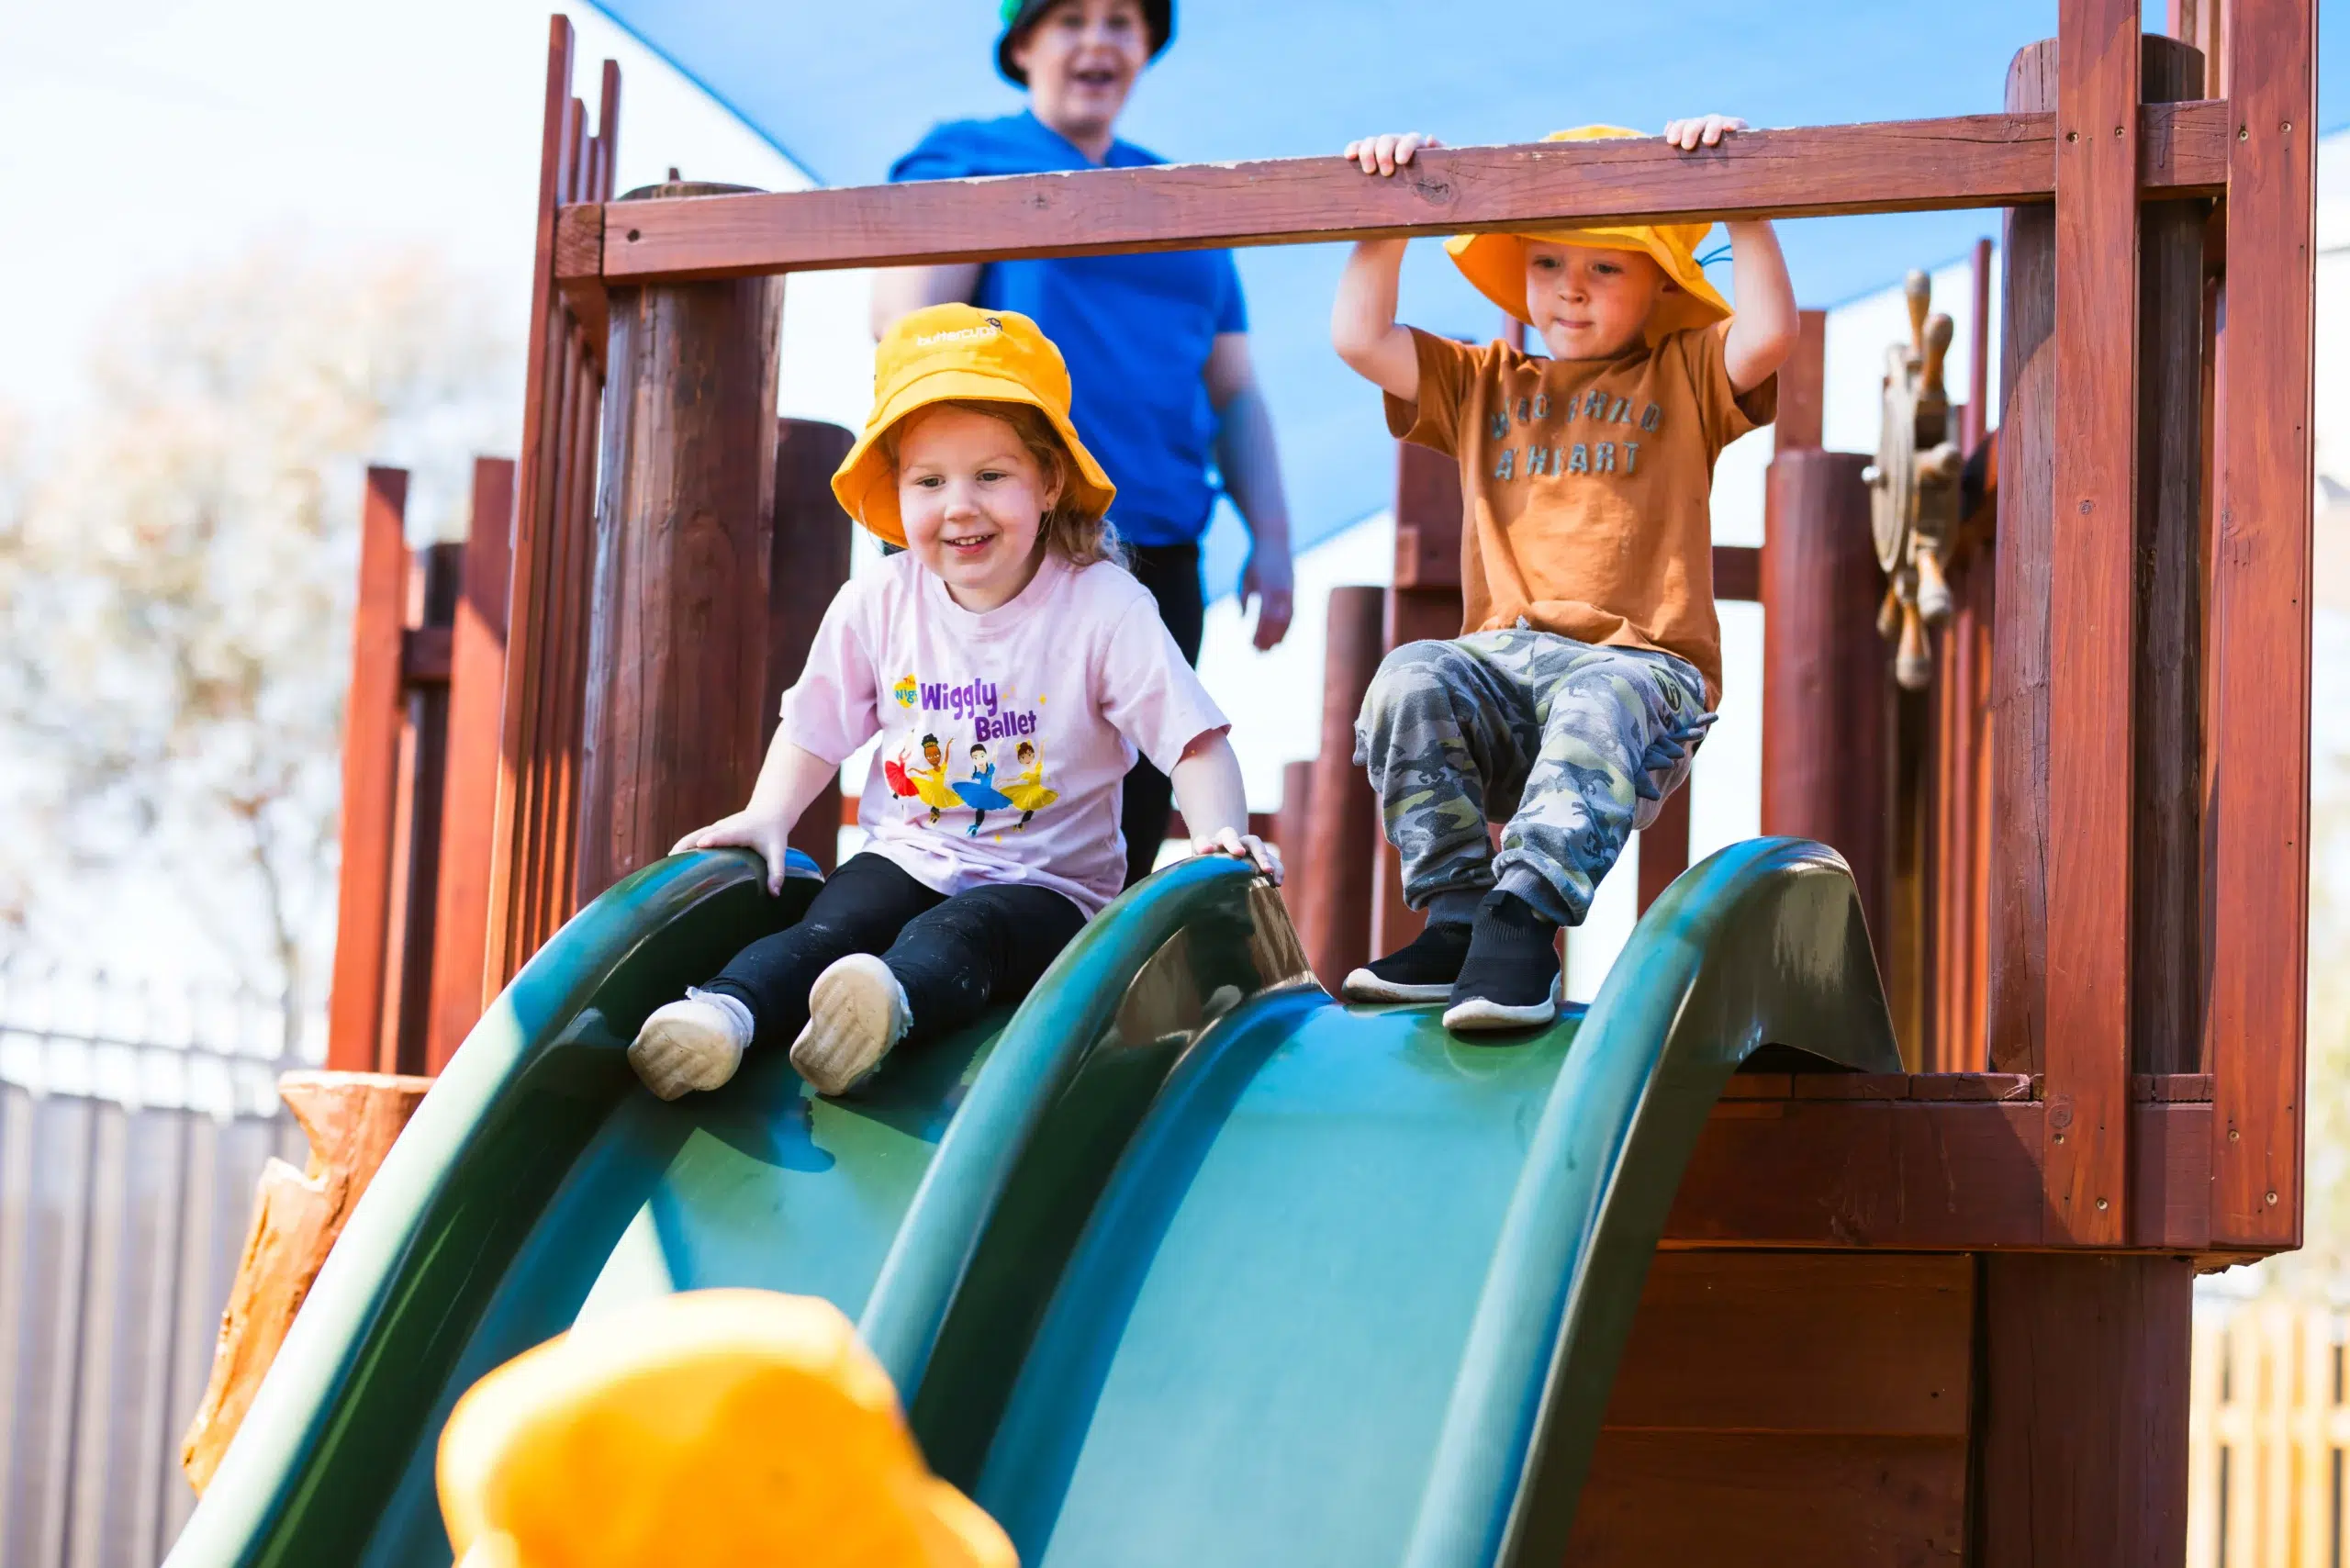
(1423,604)
(1799,1342)
(420,795)
(1803,386)
(1952,1174)
(2083,1439)
(1827,680)
(1332,886)
(2092,576)
(371,744)
(2166,679)
(1896,166)
(469,807)
(677,650)
(2017,959)
(2258,819)
(810,563)
(1768,1498)
(351,1120)
(1664,849)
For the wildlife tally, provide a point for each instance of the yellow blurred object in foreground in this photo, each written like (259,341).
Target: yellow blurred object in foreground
(712,1428)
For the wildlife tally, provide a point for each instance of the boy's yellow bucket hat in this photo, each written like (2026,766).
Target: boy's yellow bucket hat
(1496,263)
(713,1427)
(944,351)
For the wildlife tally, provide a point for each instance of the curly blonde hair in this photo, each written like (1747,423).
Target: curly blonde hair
(1076,535)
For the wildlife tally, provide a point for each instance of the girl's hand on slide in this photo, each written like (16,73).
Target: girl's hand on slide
(1385,155)
(1709,129)
(1242,846)
(745,830)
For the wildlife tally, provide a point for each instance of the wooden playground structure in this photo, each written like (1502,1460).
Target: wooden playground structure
(1935,1315)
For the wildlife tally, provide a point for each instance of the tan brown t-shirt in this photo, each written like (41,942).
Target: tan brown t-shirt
(1587,486)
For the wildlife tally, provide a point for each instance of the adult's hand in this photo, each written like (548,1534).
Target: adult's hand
(1269,580)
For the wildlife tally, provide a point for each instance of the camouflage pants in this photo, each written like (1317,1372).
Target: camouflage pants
(1571,744)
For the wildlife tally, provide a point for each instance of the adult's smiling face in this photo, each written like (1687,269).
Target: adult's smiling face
(1081,58)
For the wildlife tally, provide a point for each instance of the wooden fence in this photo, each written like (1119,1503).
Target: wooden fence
(132,1130)
(2266,1431)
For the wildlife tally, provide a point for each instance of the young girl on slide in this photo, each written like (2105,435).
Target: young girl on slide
(1006,619)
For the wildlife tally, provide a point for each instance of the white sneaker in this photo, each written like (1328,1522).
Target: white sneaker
(694,1044)
(856,1010)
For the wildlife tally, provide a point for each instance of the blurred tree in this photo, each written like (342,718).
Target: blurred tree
(182,566)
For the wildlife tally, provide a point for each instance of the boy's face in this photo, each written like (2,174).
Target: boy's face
(1082,57)
(1589,303)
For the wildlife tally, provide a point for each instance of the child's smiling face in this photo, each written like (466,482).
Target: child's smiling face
(1081,58)
(1590,304)
(973,498)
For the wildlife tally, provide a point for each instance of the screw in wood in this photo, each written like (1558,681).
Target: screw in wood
(2272,1197)
(2101,1203)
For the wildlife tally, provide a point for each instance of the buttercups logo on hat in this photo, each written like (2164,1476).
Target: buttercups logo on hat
(955,352)
(1496,263)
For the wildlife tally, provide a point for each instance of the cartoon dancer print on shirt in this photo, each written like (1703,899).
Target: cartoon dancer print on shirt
(930,782)
(1026,788)
(979,792)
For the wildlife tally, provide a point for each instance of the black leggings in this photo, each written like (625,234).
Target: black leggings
(1171,572)
(954,955)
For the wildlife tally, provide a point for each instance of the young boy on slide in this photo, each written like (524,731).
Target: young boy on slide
(1589,663)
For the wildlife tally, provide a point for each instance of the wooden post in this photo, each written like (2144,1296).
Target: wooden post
(371,739)
(2019,905)
(1334,882)
(1803,389)
(1664,847)
(676,642)
(1424,605)
(2166,851)
(2257,822)
(1827,680)
(810,563)
(2083,1420)
(469,805)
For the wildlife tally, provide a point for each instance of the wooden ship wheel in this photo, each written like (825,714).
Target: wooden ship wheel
(1914,487)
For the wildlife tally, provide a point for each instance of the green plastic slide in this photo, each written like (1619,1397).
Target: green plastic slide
(1181,1262)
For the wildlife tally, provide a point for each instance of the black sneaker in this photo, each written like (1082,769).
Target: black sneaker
(1510,978)
(1423,969)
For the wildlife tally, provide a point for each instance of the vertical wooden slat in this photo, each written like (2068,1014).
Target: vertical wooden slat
(2018,852)
(1334,882)
(2092,584)
(422,800)
(809,563)
(1664,848)
(99,1376)
(370,726)
(1423,604)
(2167,908)
(2258,819)
(1803,399)
(469,809)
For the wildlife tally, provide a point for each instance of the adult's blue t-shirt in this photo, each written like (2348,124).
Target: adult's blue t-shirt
(1135,330)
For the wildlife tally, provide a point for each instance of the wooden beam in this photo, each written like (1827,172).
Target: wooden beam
(1424,604)
(1803,394)
(1330,884)
(810,562)
(1922,1174)
(2257,820)
(2092,584)
(1818,171)
(370,742)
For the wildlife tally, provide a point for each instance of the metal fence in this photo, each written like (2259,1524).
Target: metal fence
(134,1122)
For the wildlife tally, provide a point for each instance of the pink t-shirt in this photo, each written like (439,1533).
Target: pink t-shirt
(1006,737)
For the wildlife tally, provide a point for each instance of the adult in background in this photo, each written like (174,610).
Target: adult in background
(1158,345)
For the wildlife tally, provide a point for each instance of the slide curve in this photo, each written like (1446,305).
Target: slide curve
(1179,1262)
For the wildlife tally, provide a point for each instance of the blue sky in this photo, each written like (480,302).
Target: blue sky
(844,89)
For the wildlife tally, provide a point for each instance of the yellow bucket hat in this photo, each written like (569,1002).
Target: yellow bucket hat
(1496,263)
(714,1427)
(944,351)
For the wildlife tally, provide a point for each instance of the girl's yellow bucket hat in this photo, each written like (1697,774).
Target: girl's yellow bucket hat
(944,351)
(1496,263)
(713,1426)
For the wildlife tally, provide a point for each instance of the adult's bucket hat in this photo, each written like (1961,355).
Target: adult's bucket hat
(1019,15)
(1496,263)
(711,1426)
(944,351)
